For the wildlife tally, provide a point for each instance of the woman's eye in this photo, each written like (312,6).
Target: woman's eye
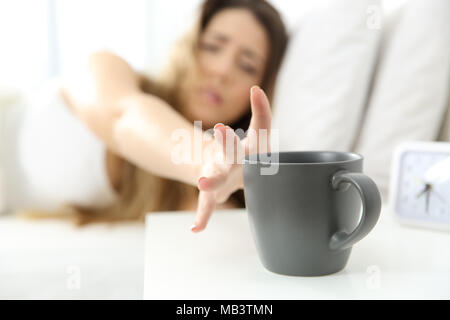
(248,68)
(209,47)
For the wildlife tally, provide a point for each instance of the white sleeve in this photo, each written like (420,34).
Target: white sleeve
(62,160)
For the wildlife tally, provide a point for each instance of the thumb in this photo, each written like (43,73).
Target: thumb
(261,113)
(260,123)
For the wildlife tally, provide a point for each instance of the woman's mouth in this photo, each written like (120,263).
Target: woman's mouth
(211,96)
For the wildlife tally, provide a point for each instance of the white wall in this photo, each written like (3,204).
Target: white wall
(39,38)
(122,26)
(23,42)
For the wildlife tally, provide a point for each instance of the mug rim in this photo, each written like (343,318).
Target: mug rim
(357,157)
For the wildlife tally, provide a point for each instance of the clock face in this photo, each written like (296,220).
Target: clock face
(424,186)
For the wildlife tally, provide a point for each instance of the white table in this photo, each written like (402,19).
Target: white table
(392,262)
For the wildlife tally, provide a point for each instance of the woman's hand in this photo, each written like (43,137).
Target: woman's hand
(223,175)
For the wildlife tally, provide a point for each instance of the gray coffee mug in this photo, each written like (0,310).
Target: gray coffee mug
(306,217)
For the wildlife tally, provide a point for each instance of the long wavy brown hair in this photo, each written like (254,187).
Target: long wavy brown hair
(142,192)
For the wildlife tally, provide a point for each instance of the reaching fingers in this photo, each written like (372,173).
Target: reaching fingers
(211,183)
(215,175)
(206,204)
(218,180)
(230,143)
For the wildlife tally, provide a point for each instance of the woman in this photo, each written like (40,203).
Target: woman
(235,45)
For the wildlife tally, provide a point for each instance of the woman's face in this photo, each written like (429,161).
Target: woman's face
(231,57)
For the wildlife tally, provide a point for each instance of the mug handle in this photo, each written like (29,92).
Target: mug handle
(371,207)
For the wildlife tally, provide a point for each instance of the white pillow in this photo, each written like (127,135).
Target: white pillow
(410,91)
(324,79)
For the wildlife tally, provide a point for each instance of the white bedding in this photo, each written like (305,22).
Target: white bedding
(55,260)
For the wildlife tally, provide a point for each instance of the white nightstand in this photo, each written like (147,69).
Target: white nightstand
(392,262)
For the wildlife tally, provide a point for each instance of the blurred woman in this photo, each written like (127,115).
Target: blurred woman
(101,145)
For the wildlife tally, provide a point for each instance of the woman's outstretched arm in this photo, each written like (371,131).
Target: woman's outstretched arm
(105,94)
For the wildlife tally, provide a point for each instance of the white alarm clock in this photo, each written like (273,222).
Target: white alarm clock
(420,184)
